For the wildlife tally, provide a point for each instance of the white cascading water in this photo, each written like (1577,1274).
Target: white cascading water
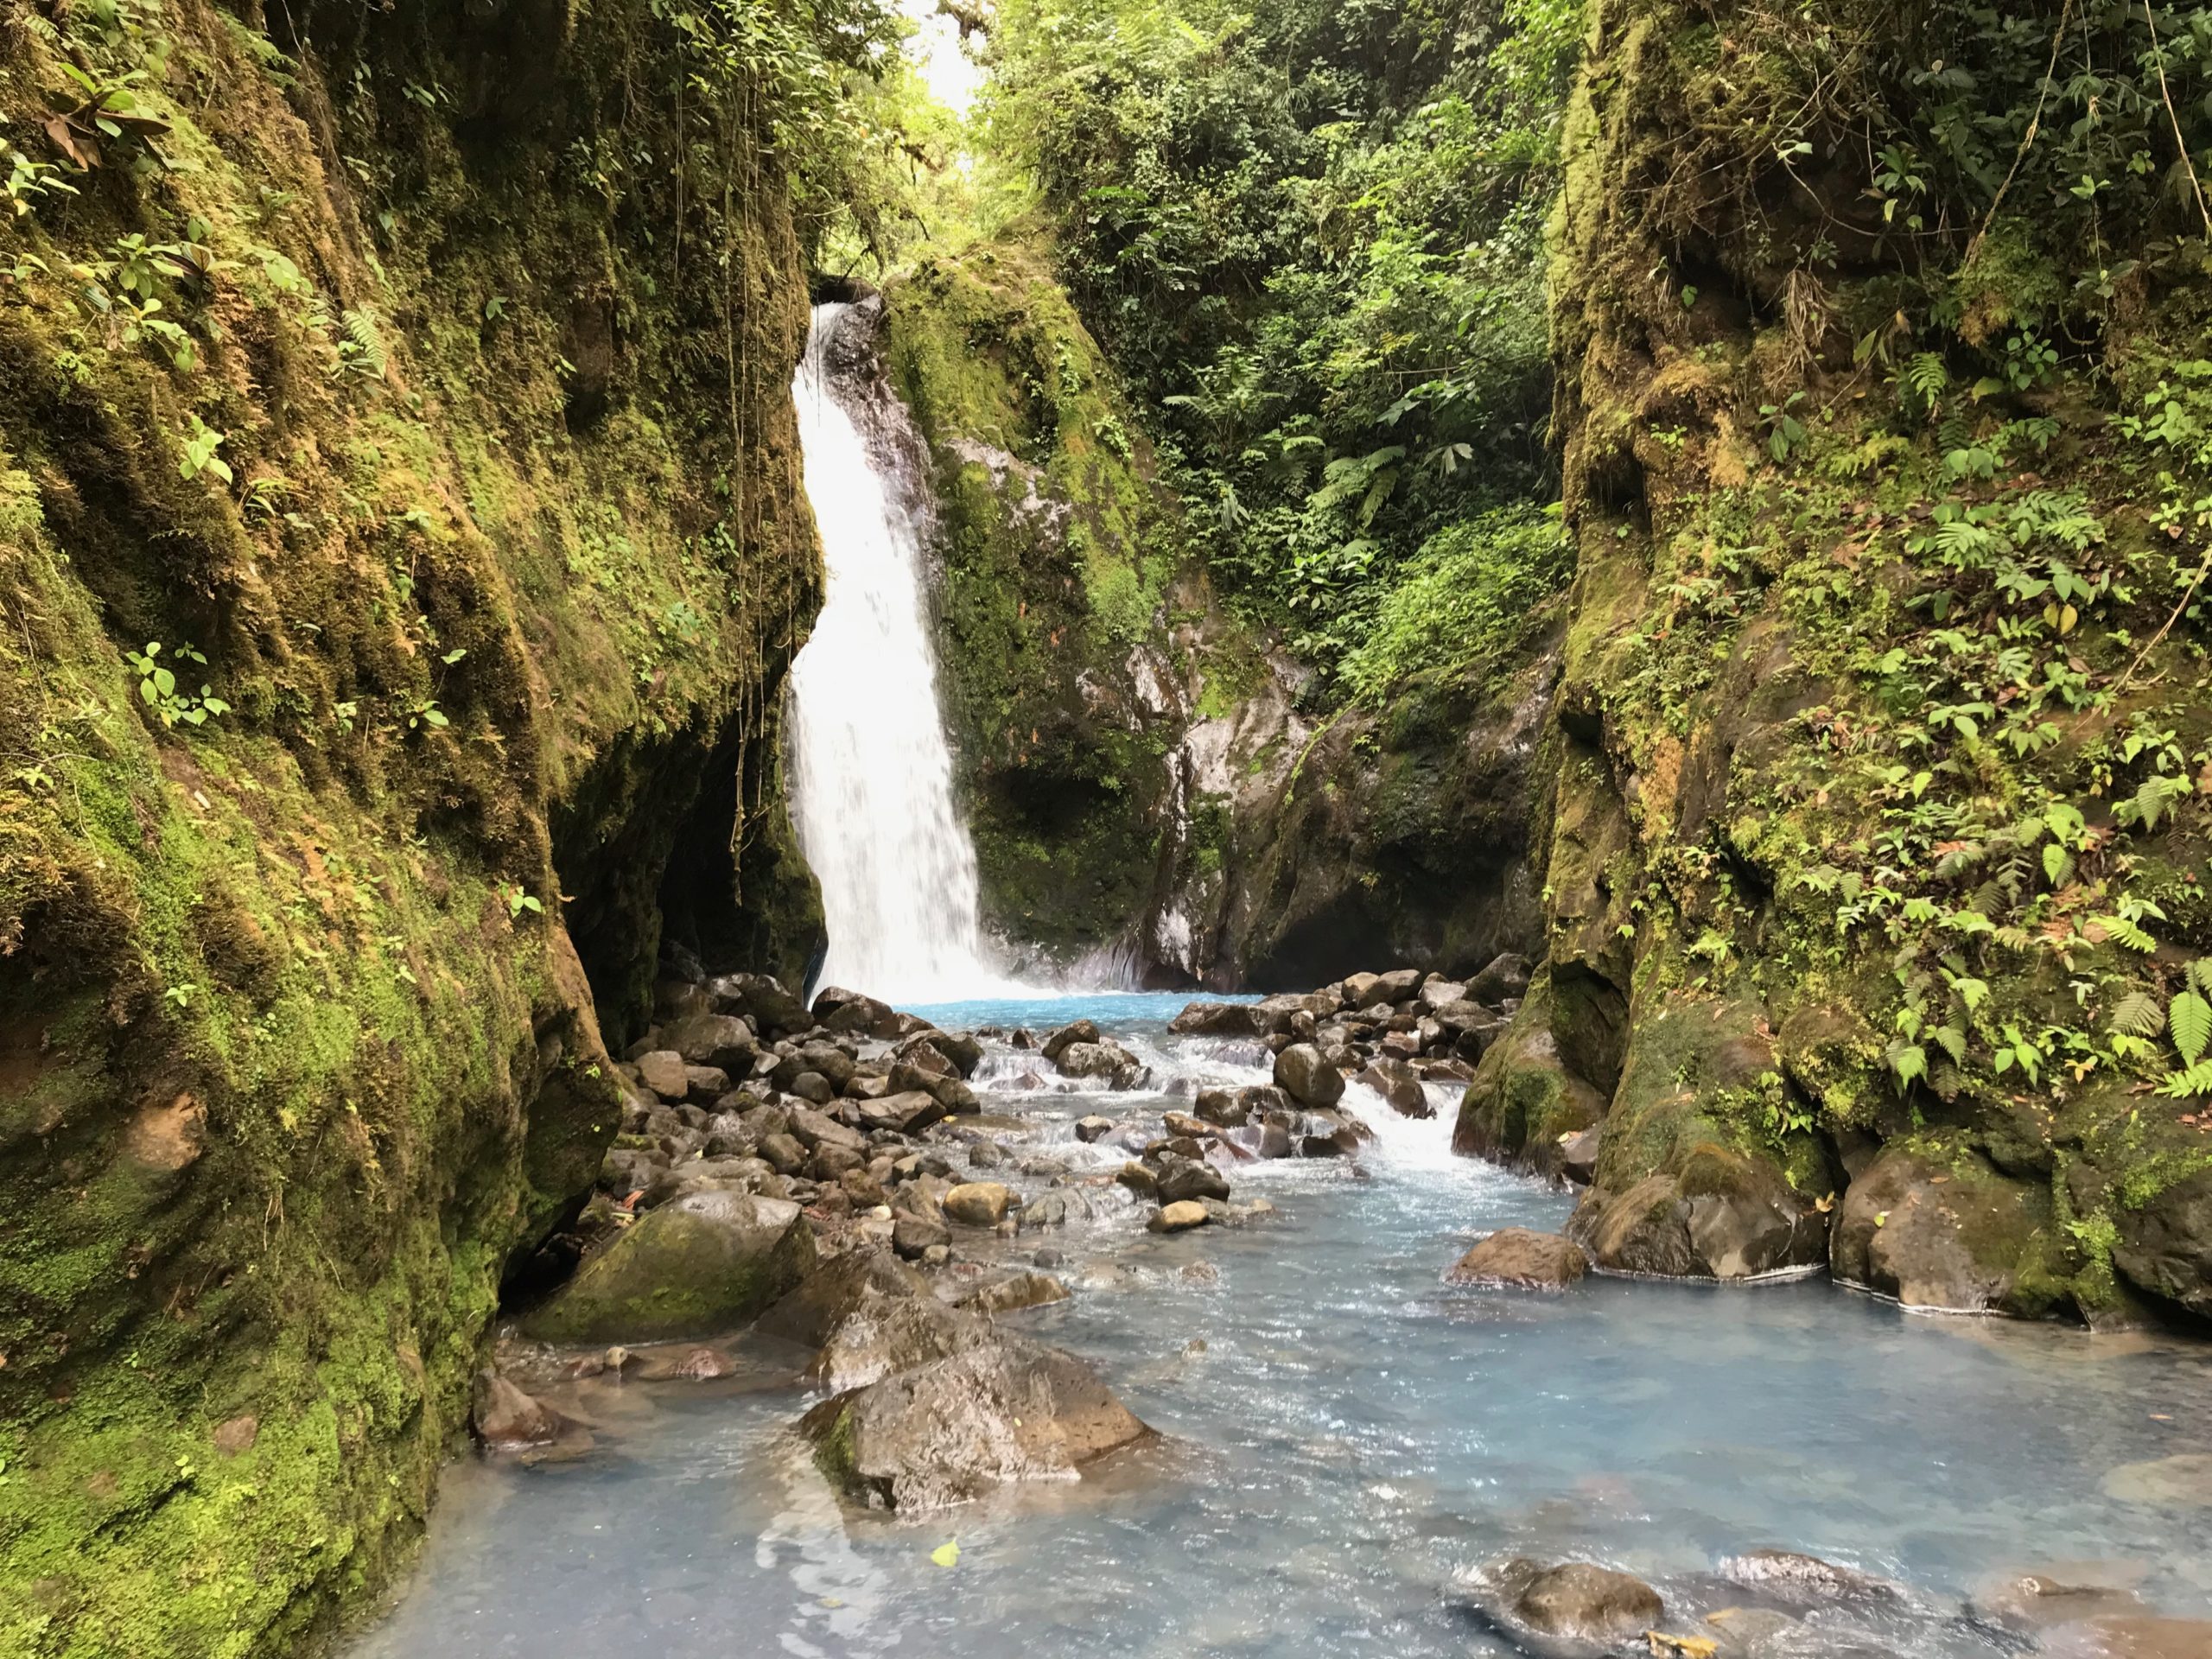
(871,775)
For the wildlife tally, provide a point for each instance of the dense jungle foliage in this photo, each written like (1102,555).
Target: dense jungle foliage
(1311,235)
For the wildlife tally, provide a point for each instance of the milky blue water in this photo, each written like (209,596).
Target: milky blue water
(1350,1434)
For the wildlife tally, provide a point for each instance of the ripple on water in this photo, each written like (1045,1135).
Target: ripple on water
(1351,1433)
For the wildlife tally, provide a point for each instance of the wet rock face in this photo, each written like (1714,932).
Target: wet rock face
(1725,1217)
(1576,1608)
(2165,1243)
(951,1430)
(700,1265)
(1933,1223)
(1520,1259)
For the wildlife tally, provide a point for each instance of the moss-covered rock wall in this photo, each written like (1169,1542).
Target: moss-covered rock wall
(415,378)
(1879,846)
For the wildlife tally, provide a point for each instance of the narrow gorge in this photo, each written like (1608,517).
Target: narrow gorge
(830,826)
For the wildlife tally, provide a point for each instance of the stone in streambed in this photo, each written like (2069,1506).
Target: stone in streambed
(1186,1178)
(662,1071)
(1122,1069)
(698,1267)
(978,1203)
(1302,1073)
(1507,975)
(1094,1127)
(1577,1602)
(949,1432)
(1520,1259)
(913,1235)
(1081,1031)
(507,1418)
(1793,1572)
(1014,1292)
(1179,1217)
(1399,1086)
(1221,1019)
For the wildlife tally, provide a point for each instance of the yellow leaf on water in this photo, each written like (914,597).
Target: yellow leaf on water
(1690,1647)
(946,1554)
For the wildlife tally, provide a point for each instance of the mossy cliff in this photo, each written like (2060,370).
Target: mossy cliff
(1058,584)
(421,374)
(1144,784)
(1882,735)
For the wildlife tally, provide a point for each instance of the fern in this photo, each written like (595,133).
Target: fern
(2185,1085)
(367,354)
(2139,1014)
(2189,1019)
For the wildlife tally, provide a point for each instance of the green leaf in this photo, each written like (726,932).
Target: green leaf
(2189,1019)
(2057,864)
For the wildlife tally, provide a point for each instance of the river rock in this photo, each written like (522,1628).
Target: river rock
(1186,1178)
(813,1088)
(662,1071)
(762,1000)
(811,1311)
(1578,1153)
(863,1016)
(904,1114)
(1081,1031)
(1791,1573)
(1441,994)
(1179,1217)
(952,1430)
(1014,1292)
(947,1089)
(1507,975)
(957,1046)
(507,1418)
(1301,1073)
(1934,1223)
(1722,1216)
(717,1039)
(1220,1020)
(1519,1258)
(831,1061)
(1093,1127)
(913,1234)
(700,1265)
(1398,986)
(815,1130)
(1399,1086)
(1578,1601)
(978,1203)
(783,1153)
(1122,1069)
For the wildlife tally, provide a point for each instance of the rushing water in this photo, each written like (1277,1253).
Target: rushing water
(871,776)
(1350,1434)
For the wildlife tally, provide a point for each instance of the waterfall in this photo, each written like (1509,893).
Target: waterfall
(871,775)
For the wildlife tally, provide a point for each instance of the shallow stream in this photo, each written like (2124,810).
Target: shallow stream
(1350,1433)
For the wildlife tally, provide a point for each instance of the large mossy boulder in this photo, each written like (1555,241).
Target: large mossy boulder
(991,1415)
(703,1265)
(1934,1223)
(1525,1097)
(2163,1241)
(1691,1180)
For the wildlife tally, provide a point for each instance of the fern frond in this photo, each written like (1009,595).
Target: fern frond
(2139,1014)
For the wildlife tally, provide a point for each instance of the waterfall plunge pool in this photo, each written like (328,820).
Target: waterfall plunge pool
(1350,1434)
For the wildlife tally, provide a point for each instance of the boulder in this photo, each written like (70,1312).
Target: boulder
(1357,990)
(1081,1031)
(1507,975)
(954,1429)
(1179,1217)
(830,998)
(1302,1073)
(698,1267)
(959,1046)
(662,1071)
(1521,1259)
(863,1016)
(507,1418)
(761,999)
(946,1088)
(1934,1223)
(783,1153)
(1578,1602)
(1120,1069)
(831,1061)
(1578,1153)
(1399,1086)
(815,1130)
(913,1234)
(978,1203)
(1723,1215)
(1182,1179)
(1220,1020)
(716,1039)
(1806,1576)
(1524,1095)
(1398,986)
(1093,1127)
(1014,1292)
(2166,1241)
(904,1114)
(810,1313)
(1442,994)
